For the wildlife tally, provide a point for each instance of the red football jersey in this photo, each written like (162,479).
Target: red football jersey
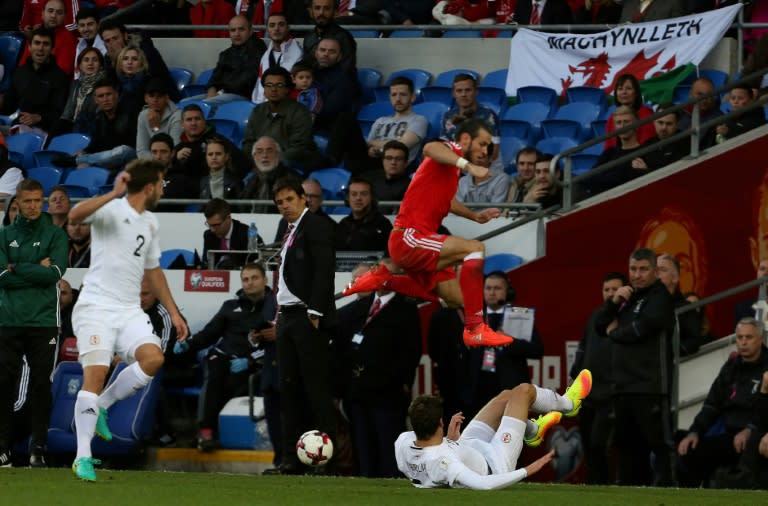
(428,198)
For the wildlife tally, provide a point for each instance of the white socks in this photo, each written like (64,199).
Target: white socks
(531,429)
(127,383)
(86,414)
(548,400)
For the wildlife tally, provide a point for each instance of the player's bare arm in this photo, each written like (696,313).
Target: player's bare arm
(454,426)
(86,208)
(159,286)
(538,464)
(483,216)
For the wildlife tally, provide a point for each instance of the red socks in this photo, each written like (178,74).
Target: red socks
(471,281)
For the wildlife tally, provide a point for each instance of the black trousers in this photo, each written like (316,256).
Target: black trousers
(39,346)
(305,384)
(220,386)
(644,426)
(596,427)
(697,466)
(376,423)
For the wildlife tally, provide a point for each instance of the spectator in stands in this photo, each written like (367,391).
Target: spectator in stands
(323,14)
(267,169)
(740,97)
(536,12)
(32,16)
(756,61)
(224,232)
(378,348)
(359,270)
(665,127)
(64,41)
(115,36)
(113,143)
(11,210)
(643,11)
(259,11)
(88,28)
(10,173)
(690,322)
(190,153)
(233,355)
(289,123)
(464,91)
(628,143)
(305,90)
(706,335)
(492,188)
(159,115)
(745,308)
(405,126)
(59,205)
(639,319)
(67,299)
(132,75)
(80,109)
(211,12)
(161,150)
(546,189)
(314,195)
(365,228)
(520,185)
(38,88)
(341,96)
(595,420)
(600,12)
(409,12)
(237,69)
(282,50)
(79,254)
(708,109)
(221,181)
(391,181)
(627,92)
(460,12)
(730,403)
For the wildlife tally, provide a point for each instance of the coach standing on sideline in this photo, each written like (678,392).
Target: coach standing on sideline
(307,311)
(33,258)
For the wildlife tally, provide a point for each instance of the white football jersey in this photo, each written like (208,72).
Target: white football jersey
(123,244)
(437,466)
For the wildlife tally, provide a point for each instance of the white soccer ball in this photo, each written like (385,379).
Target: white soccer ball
(314,448)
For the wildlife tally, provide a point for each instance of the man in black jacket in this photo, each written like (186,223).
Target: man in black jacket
(323,14)
(365,228)
(237,70)
(639,319)
(224,232)
(729,403)
(691,321)
(379,347)
(307,312)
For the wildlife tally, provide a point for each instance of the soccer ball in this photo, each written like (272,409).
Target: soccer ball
(314,448)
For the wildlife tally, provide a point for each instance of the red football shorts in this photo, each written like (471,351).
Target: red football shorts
(417,254)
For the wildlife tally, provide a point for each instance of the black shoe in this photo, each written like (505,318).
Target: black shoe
(205,440)
(37,457)
(285,469)
(64,161)
(5,458)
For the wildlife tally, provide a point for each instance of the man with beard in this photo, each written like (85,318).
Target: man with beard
(282,51)
(267,169)
(79,254)
(323,13)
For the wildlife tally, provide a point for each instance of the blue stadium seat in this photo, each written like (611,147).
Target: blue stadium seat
(463,34)
(369,79)
(494,106)
(193,90)
(67,144)
(596,149)
(365,34)
(25,145)
(205,106)
(681,94)
(501,262)
(181,76)
(441,94)
(445,79)
(718,77)
(495,79)
(509,149)
(11,47)
(530,112)
(322,141)
(227,128)
(581,112)
(371,112)
(406,34)
(607,112)
(420,78)
(168,256)
(48,177)
(555,145)
(541,94)
(497,96)
(239,111)
(434,112)
(334,181)
(562,128)
(67,380)
(204,76)
(598,127)
(582,163)
(505,34)
(88,178)
(587,94)
(519,129)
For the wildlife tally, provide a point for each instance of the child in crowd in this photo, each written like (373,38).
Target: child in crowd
(304,91)
(739,98)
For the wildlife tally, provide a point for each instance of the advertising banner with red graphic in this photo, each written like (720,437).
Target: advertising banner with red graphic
(206,281)
(560,61)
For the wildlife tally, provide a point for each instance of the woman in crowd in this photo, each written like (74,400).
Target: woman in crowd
(221,181)
(80,109)
(627,92)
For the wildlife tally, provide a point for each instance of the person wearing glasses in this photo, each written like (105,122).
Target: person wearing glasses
(224,232)
(286,121)
(391,181)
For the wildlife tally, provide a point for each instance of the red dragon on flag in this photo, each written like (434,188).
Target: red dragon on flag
(596,70)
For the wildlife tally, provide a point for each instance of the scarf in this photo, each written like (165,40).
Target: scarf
(86,88)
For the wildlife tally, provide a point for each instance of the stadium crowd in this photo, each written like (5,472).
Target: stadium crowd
(82,71)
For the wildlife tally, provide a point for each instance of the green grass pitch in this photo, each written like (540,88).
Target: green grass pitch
(49,487)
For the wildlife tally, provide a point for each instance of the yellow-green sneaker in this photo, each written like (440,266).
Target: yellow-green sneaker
(102,428)
(83,468)
(544,422)
(578,390)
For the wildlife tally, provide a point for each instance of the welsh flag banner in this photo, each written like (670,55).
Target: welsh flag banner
(647,50)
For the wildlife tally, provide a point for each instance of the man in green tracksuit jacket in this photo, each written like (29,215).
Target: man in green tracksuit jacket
(33,258)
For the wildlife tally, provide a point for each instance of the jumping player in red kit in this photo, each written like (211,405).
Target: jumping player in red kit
(428,257)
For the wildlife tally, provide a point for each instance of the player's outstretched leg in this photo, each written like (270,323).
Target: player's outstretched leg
(102,427)
(578,390)
(476,331)
(543,424)
(369,281)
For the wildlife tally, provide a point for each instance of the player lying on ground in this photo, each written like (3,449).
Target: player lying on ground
(485,455)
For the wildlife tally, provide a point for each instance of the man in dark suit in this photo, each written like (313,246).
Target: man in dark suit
(224,232)
(378,348)
(307,312)
(551,12)
(314,194)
